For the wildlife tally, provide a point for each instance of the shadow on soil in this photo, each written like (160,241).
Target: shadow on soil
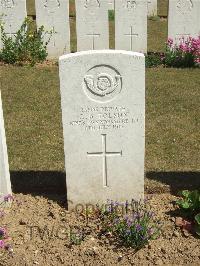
(173,182)
(52,184)
(49,184)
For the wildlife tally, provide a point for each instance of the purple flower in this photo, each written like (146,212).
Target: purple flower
(129,222)
(3,233)
(135,215)
(126,217)
(2,244)
(116,204)
(150,231)
(8,197)
(144,238)
(138,227)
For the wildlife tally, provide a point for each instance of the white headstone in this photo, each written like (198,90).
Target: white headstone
(103,109)
(54,16)
(111,4)
(152,7)
(12,15)
(92,25)
(183,19)
(131,25)
(5,185)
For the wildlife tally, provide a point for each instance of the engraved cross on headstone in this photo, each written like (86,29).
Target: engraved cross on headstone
(51,6)
(131,35)
(53,34)
(104,154)
(93,35)
(10,23)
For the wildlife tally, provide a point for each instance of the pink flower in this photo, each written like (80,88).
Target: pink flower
(170,41)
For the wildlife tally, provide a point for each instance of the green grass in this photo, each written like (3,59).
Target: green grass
(157,35)
(172,123)
(162,7)
(31,102)
(30,7)
(33,119)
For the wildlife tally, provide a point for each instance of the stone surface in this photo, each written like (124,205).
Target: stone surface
(92,24)
(54,16)
(111,4)
(152,8)
(131,25)
(183,19)
(5,185)
(12,15)
(103,109)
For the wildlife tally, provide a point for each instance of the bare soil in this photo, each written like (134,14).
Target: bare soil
(41,226)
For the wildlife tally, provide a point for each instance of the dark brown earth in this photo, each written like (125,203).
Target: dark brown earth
(30,213)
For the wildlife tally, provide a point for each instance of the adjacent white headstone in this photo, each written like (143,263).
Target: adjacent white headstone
(131,25)
(5,185)
(54,16)
(92,25)
(12,15)
(183,19)
(152,7)
(103,109)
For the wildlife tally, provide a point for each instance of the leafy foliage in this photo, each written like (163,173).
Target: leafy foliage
(153,60)
(134,228)
(190,203)
(184,54)
(27,45)
(111,15)
(197,227)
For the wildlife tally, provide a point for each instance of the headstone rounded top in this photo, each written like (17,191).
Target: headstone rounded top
(93,52)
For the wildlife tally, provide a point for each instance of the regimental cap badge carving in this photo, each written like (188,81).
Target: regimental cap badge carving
(131,4)
(102,83)
(92,3)
(184,6)
(52,5)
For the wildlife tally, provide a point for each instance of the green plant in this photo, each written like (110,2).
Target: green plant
(27,45)
(111,15)
(154,18)
(184,54)
(134,228)
(76,237)
(197,226)
(190,203)
(153,60)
